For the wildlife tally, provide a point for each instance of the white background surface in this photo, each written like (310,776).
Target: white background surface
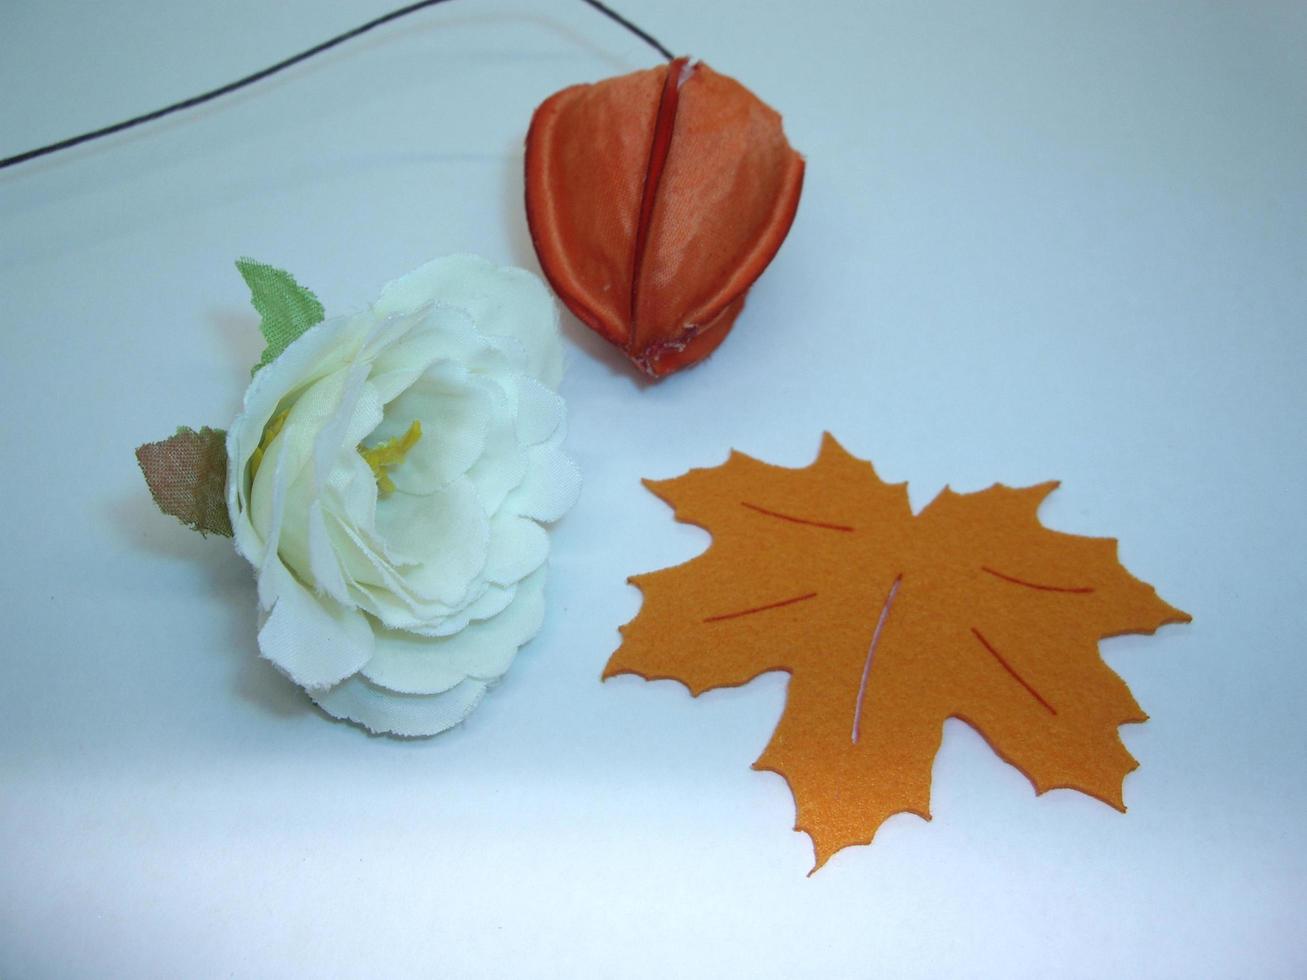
(1041,240)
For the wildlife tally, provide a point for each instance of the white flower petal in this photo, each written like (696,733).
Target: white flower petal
(351,492)
(539,411)
(271,570)
(551,486)
(503,465)
(293,545)
(505,302)
(324,562)
(484,650)
(259,513)
(445,333)
(454,414)
(446,532)
(289,452)
(378,586)
(323,349)
(390,331)
(316,641)
(320,351)
(356,414)
(490,600)
(518,546)
(386,712)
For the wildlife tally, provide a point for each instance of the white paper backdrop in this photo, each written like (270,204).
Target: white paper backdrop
(1038,240)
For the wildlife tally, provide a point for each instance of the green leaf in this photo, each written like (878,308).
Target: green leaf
(187,477)
(287,308)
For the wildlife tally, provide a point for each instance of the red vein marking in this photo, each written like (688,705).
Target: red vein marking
(758,609)
(1008,667)
(795,520)
(1077,589)
(871,652)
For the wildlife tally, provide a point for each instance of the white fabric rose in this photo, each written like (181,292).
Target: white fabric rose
(397,610)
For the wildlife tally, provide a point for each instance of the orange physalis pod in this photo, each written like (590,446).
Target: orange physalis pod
(655,200)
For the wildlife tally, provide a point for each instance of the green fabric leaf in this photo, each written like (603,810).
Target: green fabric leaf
(187,477)
(287,308)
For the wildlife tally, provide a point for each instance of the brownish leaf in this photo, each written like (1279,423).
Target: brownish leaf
(187,476)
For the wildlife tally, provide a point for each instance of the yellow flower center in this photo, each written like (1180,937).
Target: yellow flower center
(390,453)
(382,456)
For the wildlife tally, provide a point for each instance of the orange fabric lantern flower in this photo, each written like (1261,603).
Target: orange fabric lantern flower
(655,200)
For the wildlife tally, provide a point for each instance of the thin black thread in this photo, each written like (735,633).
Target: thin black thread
(240,83)
(644,36)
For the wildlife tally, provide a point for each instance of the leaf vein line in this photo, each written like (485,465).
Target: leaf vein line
(1077,589)
(797,520)
(757,609)
(871,652)
(1009,668)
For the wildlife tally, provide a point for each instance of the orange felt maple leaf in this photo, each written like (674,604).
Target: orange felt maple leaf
(889,623)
